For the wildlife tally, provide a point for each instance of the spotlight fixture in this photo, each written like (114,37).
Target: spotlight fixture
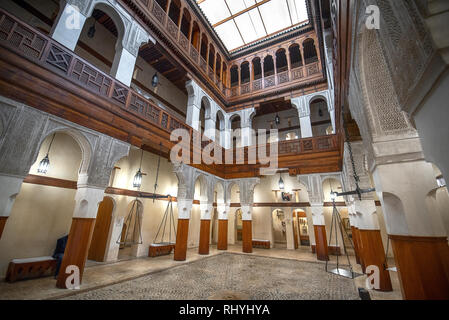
(137,181)
(281,182)
(45,163)
(91,32)
(155,80)
(277,119)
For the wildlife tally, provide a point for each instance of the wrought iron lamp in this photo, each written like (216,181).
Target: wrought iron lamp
(277,119)
(91,31)
(45,163)
(281,182)
(137,181)
(155,80)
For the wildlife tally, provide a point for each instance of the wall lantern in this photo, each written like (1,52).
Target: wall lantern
(320,112)
(333,196)
(155,80)
(277,119)
(281,182)
(137,181)
(45,163)
(91,31)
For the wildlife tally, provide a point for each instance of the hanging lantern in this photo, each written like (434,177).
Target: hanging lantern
(277,119)
(137,181)
(91,31)
(333,196)
(44,165)
(281,182)
(155,80)
(320,112)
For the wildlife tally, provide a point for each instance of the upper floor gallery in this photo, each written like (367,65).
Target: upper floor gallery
(107,54)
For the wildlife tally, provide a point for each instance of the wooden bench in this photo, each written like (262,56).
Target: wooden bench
(20,269)
(263,244)
(160,249)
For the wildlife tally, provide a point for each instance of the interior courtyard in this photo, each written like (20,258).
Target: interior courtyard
(224,150)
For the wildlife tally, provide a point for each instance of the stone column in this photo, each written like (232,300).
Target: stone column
(246,187)
(206,211)
(69,24)
(319,227)
(304,116)
(209,125)
(123,65)
(417,233)
(246,127)
(223,213)
(370,244)
(9,189)
(193,104)
(182,232)
(126,52)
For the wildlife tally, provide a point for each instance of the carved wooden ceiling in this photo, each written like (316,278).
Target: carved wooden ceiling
(273,106)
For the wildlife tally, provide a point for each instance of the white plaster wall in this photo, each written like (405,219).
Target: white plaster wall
(431,121)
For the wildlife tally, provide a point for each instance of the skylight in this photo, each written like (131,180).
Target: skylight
(240,22)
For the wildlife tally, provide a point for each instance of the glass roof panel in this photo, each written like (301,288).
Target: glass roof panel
(229,34)
(239,22)
(215,10)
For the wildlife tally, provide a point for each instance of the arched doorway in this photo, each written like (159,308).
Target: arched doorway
(279,228)
(100,236)
(105,24)
(320,117)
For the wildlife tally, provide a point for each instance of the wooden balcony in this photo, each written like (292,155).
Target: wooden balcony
(179,43)
(40,72)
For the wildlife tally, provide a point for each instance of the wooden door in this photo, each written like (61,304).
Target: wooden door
(97,250)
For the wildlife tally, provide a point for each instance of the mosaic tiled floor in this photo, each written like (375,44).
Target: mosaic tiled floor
(233,276)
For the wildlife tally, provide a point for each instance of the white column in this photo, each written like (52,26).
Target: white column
(304,116)
(184,208)
(206,209)
(87,199)
(123,66)
(366,218)
(209,128)
(246,134)
(317,214)
(68,26)
(9,189)
(306,126)
(246,212)
(223,211)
